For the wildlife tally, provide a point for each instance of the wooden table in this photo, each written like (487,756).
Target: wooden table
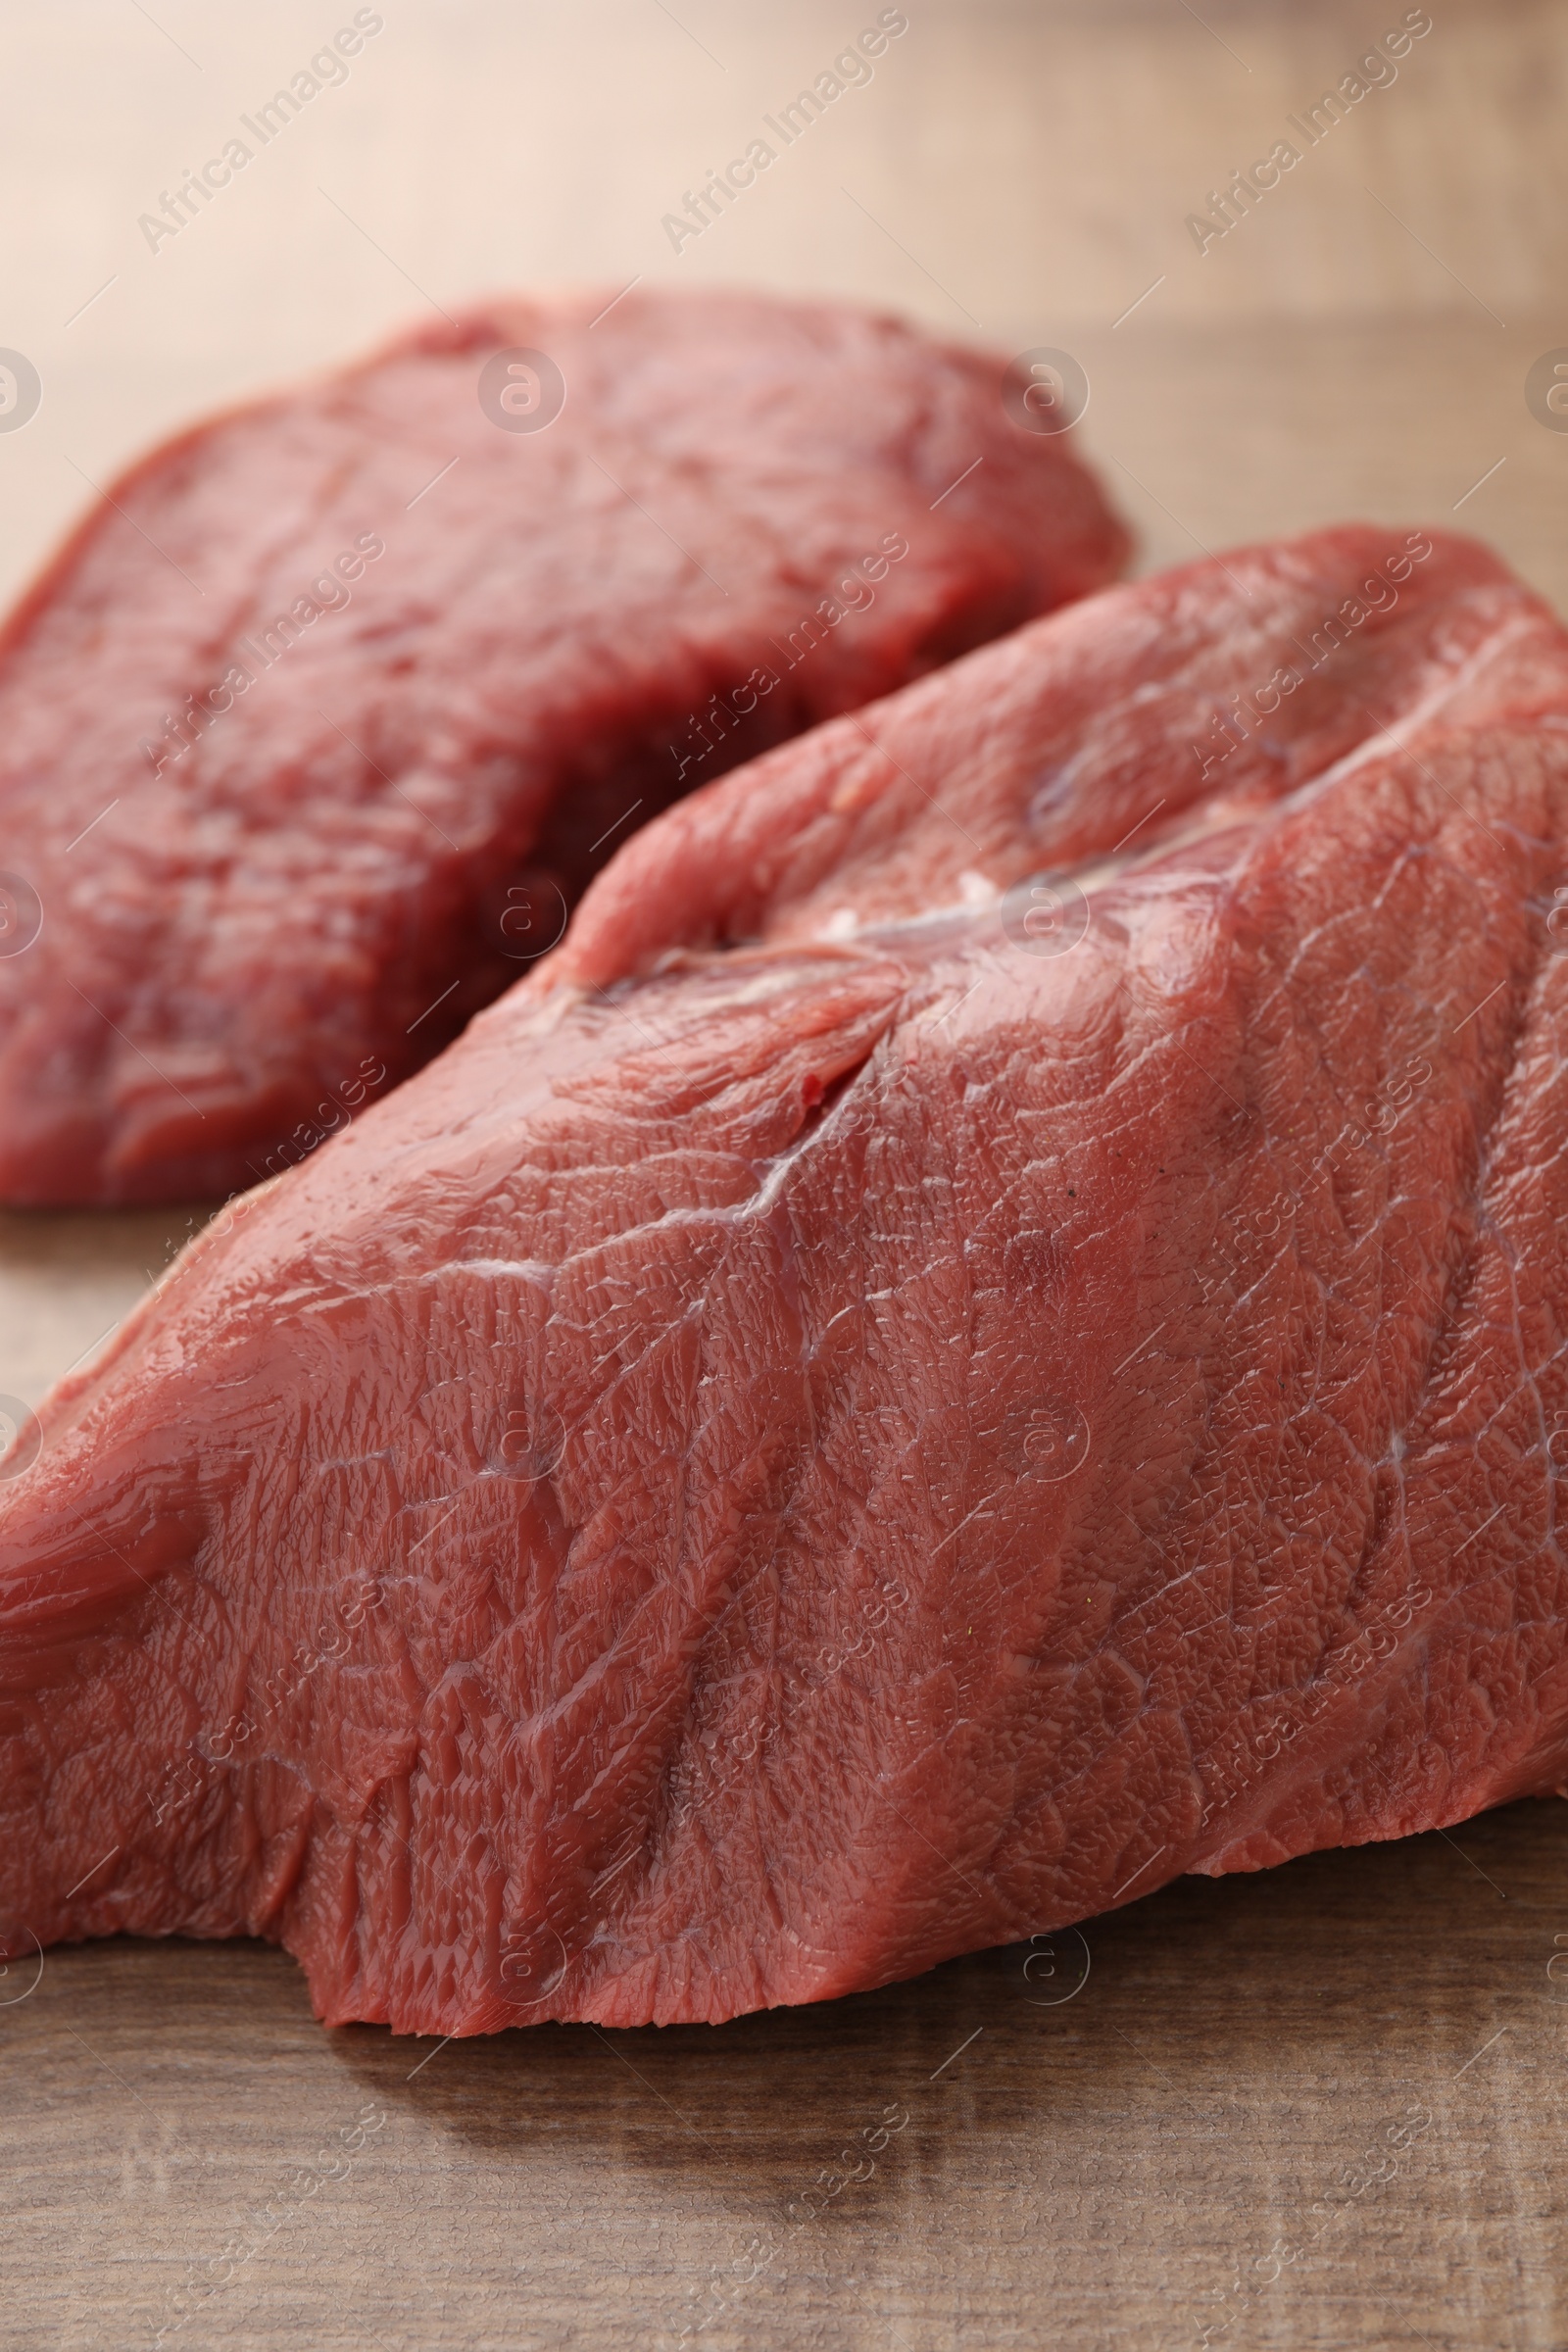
(1317,2108)
(1201,2132)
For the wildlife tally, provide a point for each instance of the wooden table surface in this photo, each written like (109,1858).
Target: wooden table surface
(1316,2108)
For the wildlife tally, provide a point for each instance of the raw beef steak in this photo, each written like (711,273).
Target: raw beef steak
(318,726)
(988,1332)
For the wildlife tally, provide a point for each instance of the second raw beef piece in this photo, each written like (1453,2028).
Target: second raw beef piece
(316,727)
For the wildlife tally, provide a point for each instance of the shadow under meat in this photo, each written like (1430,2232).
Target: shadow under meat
(1207,2001)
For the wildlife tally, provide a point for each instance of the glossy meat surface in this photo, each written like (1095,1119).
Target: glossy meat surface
(989,1332)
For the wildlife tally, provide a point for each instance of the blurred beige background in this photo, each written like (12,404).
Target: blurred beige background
(1017,172)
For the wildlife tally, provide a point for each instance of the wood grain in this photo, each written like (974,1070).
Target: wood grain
(1200,2135)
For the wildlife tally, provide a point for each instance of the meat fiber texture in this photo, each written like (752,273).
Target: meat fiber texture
(989,1332)
(318,726)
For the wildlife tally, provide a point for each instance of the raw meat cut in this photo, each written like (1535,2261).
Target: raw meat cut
(319,723)
(989,1332)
